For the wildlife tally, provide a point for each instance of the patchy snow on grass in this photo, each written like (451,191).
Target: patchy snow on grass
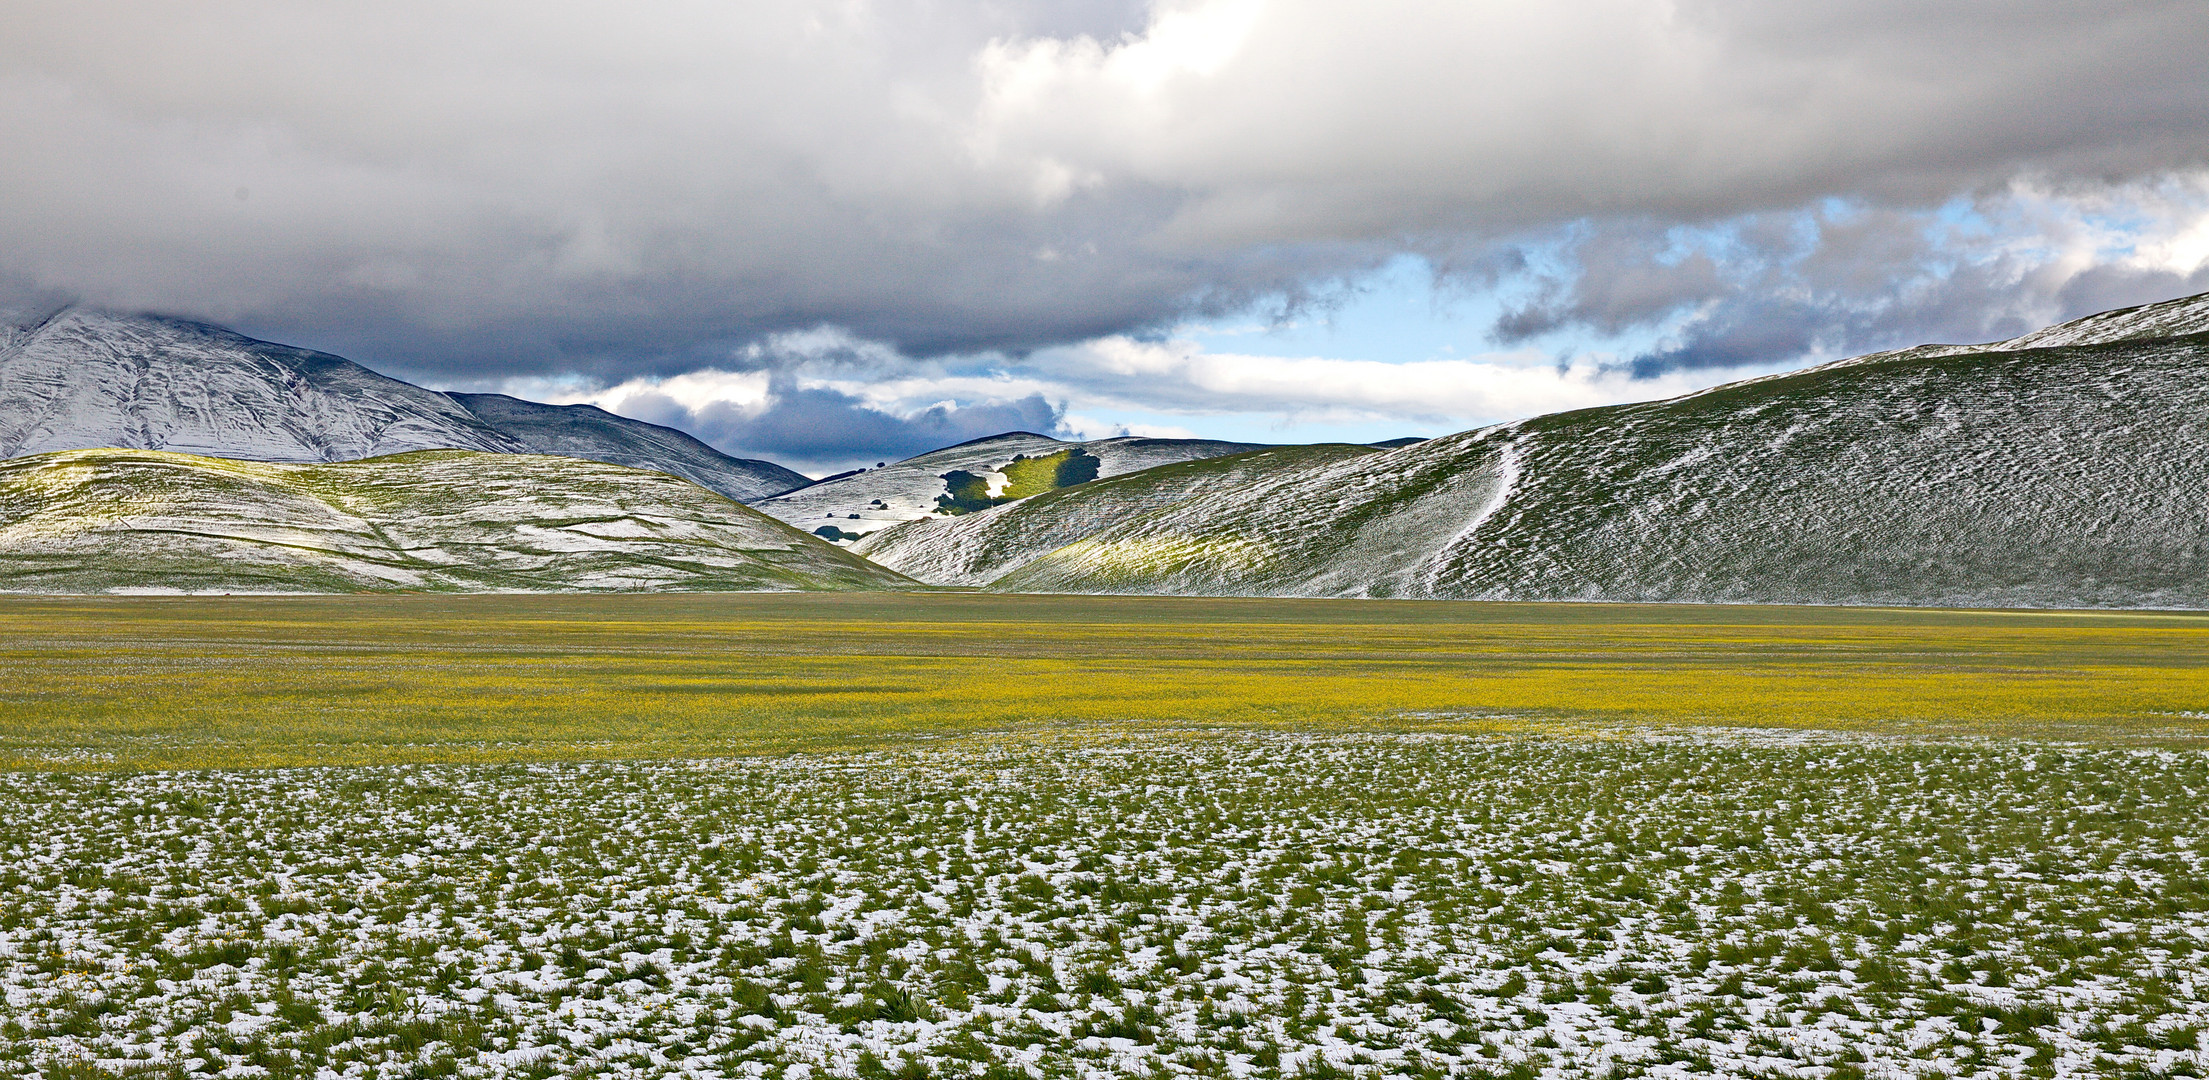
(1233,906)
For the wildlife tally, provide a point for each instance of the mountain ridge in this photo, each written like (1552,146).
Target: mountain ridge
(82,378)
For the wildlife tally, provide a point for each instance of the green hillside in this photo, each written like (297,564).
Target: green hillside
(2064,475)
(91,521)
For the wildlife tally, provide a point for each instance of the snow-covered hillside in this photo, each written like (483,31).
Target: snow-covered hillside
(83,379)
(977,549)
(2182,317)
(137,520)
(1002,467)
(1986,476)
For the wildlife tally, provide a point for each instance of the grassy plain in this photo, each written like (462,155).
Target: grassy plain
(134,683)
(1089,838)
(1810,907)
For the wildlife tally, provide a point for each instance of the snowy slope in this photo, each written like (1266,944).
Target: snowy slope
(1996,476)
(2183,317)
(976,549)
(82,379)
(136,520)
(2172,318)
(866,502)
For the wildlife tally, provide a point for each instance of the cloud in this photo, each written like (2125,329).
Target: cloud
(497,189)
(823,425)
(813,428)
(1181,377)
(1669,309)
(831,402)
(1845,279)
(1289,120)
(1178,376)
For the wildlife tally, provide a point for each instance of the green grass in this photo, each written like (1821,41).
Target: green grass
(968,493)
(1256,905)
(1025,476)
(1024,838)
(205,682)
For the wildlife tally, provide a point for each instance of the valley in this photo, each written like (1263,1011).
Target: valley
(2060,469)
(1163,540)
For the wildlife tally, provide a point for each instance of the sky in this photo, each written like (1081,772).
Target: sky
(830,232)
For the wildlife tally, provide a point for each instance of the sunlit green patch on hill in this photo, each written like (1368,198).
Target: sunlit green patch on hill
(195,682)
(1026,476)
(966,492)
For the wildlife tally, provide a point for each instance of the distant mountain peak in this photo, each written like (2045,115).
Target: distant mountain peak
(1002,436)
(85,378)
(592,433)
(80,378)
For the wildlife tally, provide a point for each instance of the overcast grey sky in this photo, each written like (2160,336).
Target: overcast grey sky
(789,224)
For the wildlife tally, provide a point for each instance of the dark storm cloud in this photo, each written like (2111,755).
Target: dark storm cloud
(1629,281)
(1774,287)
(452,191)
(2102,288)
(817,429)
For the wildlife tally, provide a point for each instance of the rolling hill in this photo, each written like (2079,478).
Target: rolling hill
(91,521)
(80,379)
(980,548)
(2067,468)
(971,477)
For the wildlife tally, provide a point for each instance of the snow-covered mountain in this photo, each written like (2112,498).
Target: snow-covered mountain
(970,477)
(82,378)
(87,521)
(2067,468)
